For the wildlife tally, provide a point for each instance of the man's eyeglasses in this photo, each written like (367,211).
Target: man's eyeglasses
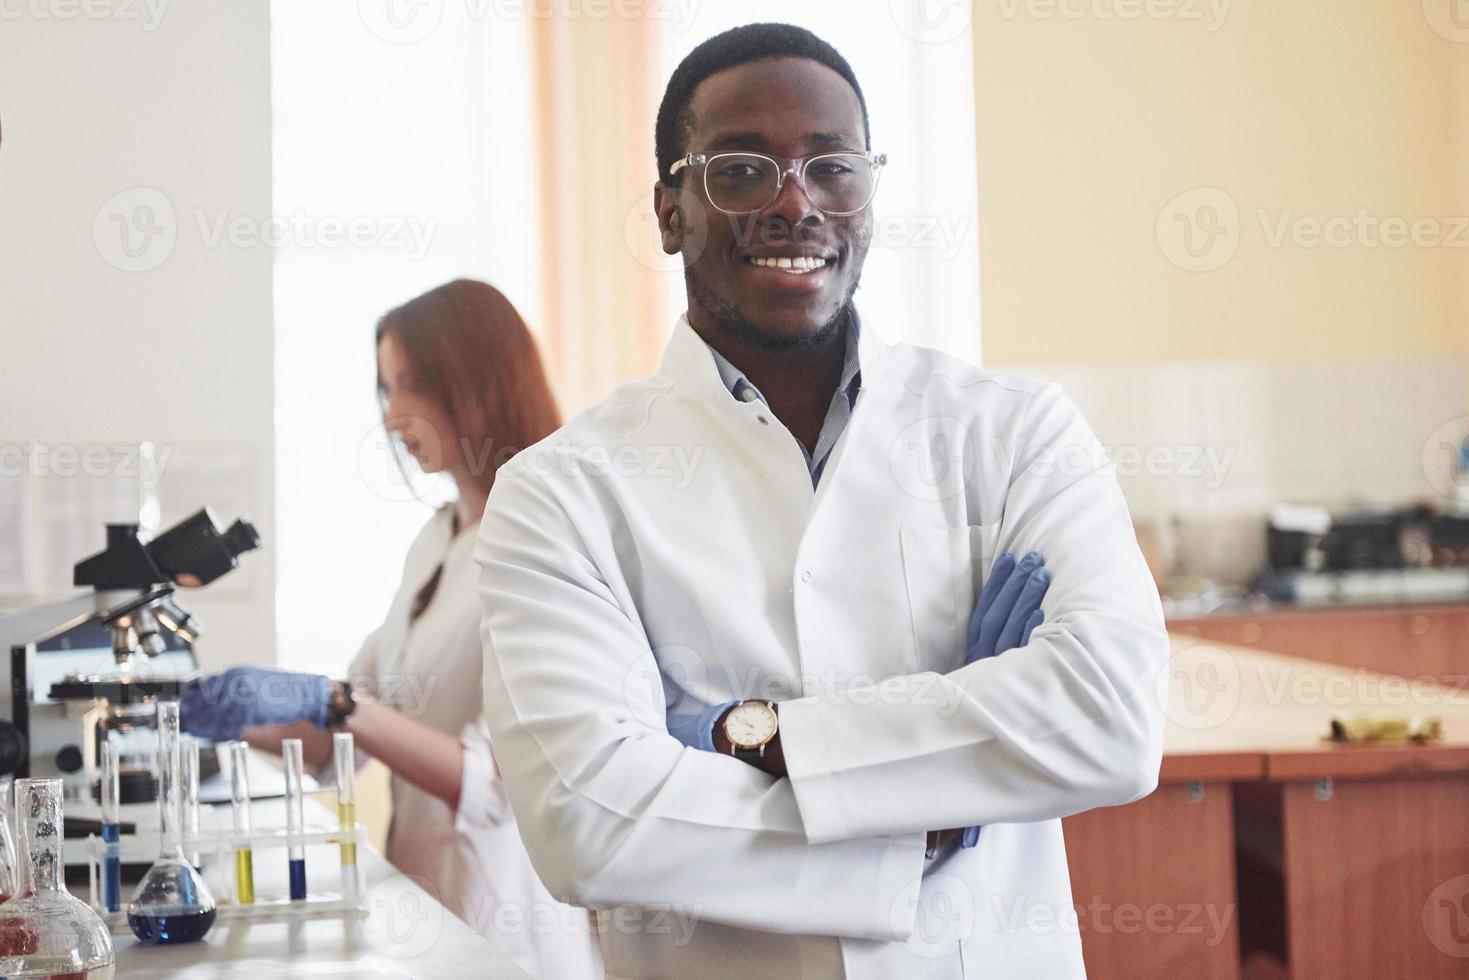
(743,183)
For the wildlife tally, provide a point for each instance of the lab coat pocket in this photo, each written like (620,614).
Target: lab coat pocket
(944,568)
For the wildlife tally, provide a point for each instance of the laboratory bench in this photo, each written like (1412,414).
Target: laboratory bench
(402,932)
(1267,850)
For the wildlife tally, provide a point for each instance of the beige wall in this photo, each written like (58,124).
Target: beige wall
(1089,126)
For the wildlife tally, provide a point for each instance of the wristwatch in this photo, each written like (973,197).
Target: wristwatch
(749,726)
(340,705)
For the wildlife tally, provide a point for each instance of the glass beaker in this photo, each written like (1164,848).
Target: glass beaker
(44,931)
(172,904)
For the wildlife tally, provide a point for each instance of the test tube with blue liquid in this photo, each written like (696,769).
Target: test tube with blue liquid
(295,816)
(240,809)
(345,756)
(110,796)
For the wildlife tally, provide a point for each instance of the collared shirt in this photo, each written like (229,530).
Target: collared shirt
(843,400)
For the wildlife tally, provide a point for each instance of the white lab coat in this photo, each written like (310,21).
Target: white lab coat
(472,859)
(669,540)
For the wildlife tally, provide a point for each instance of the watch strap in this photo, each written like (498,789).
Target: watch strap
(340,705)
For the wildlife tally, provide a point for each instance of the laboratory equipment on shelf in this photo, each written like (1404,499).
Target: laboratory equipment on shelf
(44,931)
(172,904)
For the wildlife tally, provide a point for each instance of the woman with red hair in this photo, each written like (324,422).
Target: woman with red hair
(462,390)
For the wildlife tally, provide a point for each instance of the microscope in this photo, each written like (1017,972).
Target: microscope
(66,695)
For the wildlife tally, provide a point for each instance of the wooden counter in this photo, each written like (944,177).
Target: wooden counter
(1413,640)
(1330,860)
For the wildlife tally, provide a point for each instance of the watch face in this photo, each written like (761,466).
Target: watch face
(750,725)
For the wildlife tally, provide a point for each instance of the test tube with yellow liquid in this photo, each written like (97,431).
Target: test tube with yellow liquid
(345,756)
(240,807)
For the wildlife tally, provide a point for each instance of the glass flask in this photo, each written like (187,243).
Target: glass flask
(9,867)
(172,904)
(44,931)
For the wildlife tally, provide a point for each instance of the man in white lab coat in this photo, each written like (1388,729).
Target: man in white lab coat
(775,543)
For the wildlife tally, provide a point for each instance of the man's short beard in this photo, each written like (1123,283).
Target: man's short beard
(728,318)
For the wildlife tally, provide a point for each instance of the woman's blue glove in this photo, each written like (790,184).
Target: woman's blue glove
(1008,610)
(221,706)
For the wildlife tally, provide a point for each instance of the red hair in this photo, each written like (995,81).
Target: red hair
(473,353)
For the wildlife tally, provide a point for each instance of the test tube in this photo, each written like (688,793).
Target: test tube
(295,816)
(240,807)
(191,799)
(110,796)
(345,756)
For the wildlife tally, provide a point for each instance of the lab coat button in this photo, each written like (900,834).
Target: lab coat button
(806,576)
(764,420)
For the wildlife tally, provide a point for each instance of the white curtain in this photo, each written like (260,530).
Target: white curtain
(420,143)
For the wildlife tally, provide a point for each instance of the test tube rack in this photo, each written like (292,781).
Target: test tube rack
(221,846)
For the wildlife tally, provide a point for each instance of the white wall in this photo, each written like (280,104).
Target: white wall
(176,99)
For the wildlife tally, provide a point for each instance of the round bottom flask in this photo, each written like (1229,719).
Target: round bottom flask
(44,931)
(172,904)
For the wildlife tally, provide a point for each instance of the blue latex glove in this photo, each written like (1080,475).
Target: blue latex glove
(1009,606)
(221,706)
(1008,611)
